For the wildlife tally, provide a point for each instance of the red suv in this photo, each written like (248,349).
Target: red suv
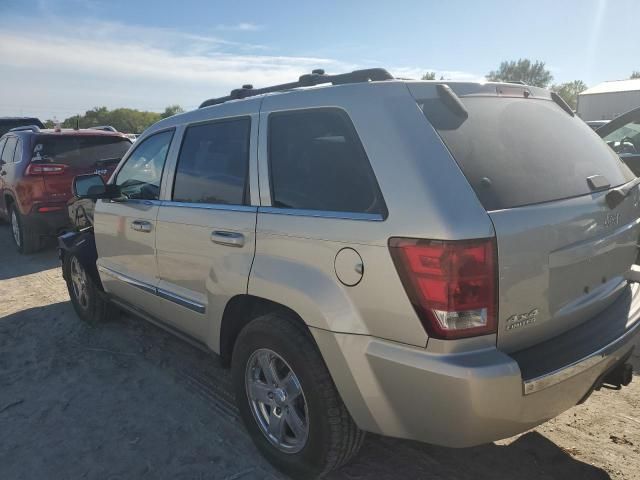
(37,167)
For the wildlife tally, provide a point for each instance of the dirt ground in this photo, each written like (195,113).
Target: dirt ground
(126,401)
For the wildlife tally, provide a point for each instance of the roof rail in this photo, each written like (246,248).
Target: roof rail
(31,128)
(316,77)
(106,128)
(517,82)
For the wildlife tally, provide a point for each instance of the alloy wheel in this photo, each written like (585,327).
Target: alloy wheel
(79,283)
(15,227)
(277,401)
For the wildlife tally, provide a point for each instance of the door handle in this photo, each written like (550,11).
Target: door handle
(141,226)
(230,239)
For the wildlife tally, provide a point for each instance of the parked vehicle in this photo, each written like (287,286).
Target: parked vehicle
(7,123)
(623,135)
(37,167)
(596,124)
(439,261)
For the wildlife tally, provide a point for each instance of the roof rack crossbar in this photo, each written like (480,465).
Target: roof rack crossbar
(30,128)
(316,77)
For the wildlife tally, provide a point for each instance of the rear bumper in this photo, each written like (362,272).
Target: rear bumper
(462,399)
(47,223)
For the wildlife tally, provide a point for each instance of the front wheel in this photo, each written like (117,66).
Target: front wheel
(288,401)
(86,297)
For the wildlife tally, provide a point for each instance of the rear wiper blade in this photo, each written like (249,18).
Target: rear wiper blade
(617,195)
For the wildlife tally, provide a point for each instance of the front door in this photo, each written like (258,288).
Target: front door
(206,228)
(125,229)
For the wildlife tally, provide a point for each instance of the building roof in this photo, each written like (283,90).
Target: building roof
(614,86)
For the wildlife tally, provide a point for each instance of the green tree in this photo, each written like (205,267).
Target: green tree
(126,120)
(522,70)
(569,91)
(172,110)
(429,76)
(635,75)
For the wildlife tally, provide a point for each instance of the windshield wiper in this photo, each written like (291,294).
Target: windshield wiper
(617,195)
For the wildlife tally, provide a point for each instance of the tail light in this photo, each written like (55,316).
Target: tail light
(451,284)
(45,169)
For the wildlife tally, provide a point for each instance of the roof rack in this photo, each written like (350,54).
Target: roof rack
(30,128)
(105,128)
(316,77)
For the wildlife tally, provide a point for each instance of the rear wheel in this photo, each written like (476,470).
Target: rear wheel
(86,297)
(288,401)
(27,240)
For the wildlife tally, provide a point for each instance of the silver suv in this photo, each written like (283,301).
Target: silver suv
(439,261)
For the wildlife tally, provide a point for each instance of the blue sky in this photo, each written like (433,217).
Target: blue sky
(58,58)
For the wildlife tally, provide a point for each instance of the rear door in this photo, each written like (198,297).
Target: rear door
(78,154)
(125,229)
(543,176)
(206,227)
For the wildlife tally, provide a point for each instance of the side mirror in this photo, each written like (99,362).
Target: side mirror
(93,187)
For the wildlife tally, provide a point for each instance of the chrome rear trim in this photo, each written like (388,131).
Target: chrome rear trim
(553,378)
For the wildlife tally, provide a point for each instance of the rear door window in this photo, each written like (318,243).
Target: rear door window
(17,154)
(213,163)
(517,151)
(80,151)
(317,162)
(9,149)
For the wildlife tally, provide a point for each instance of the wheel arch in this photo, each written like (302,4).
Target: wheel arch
(239,312)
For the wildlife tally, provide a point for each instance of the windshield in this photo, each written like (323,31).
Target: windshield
(80,151)
(517,151)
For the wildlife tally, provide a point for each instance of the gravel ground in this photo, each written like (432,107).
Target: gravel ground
(126,401)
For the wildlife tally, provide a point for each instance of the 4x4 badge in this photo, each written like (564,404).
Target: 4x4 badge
(520,320)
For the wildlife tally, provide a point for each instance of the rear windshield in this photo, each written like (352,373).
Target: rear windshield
(517,151)
(80,151)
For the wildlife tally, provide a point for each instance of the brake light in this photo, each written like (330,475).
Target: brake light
(451,284)
(45,169)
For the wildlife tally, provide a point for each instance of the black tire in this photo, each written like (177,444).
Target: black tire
(92,307)
(28,240)
(333,437)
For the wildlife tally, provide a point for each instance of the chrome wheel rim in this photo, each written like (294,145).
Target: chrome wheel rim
(277,401)
(15,227)
(79,283)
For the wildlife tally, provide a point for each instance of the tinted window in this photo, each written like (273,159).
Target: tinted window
(213,163)
(17,155)
(317,163)
(517,151)
(80,151)
(141,174)
(9,149)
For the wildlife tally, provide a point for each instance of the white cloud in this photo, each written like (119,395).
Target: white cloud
(57,71)
(240,27)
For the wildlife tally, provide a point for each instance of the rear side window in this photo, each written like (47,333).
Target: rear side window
(317,162)
(9,149)
(80,151)
(517,151)
(17,154)
(213,163)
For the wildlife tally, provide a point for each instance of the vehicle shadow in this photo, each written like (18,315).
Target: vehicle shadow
(125,399)
(14,264)
(531,456)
